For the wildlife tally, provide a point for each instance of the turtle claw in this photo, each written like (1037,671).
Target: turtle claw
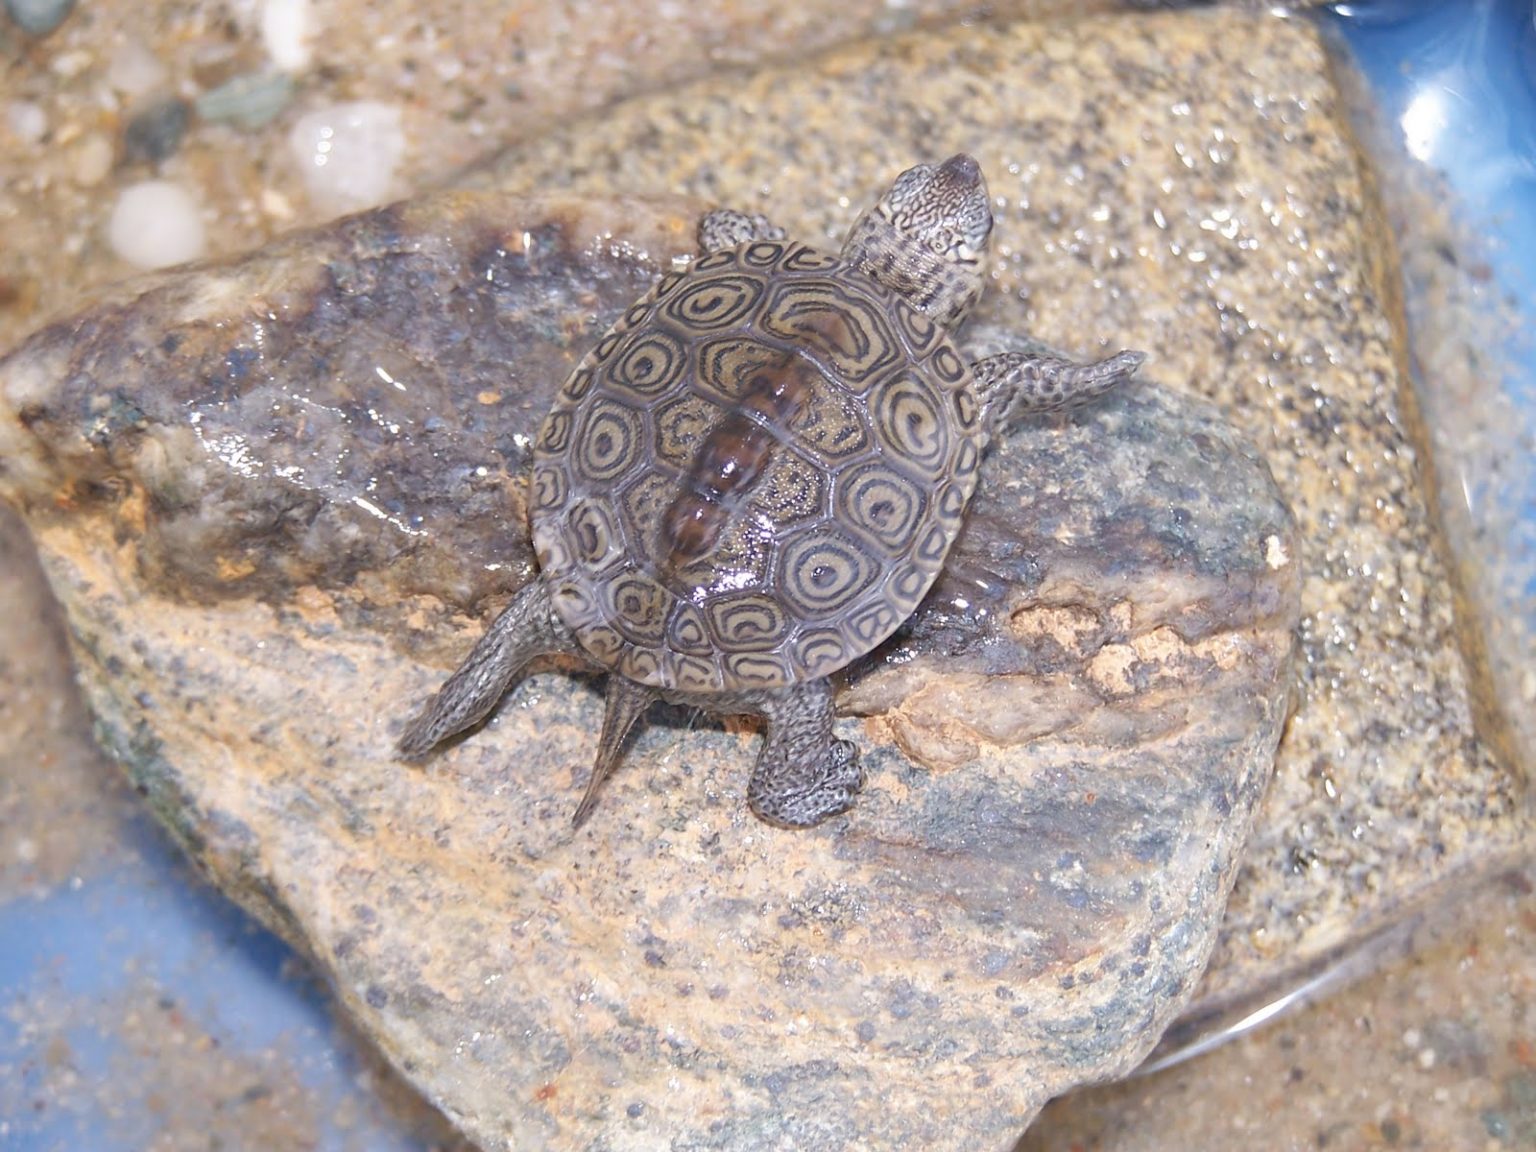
(837,780)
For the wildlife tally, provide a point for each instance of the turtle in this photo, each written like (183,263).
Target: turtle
(755,476)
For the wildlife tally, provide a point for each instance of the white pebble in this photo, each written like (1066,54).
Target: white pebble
(348,154)
(71,64)
(134,69)
(91,159)
(26,121)
(285,30)
(275,205)
(156,224)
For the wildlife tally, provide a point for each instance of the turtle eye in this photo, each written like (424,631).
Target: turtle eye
(943,240)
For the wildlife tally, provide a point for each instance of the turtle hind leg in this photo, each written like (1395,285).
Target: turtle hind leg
(804,774)
(526,629)
(726,228)
(627,702)
(1015,384)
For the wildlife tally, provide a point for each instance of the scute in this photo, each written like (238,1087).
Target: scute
(845,325)
(825,573)
(842,530)
(549,488)
(681,423)
(820,651)
(913,426)
(794,490)
(687,632)
(596,536)
(922,335)
(608,438)
(724,364)
(749,670)
(882,506)
(748,622)
(710,303)
(649,362)
(638,606)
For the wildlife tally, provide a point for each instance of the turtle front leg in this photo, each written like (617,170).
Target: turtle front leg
(1015,384)
(527,628)
(726,228)
(804,774)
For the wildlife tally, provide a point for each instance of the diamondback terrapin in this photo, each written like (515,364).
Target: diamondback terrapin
(755,477)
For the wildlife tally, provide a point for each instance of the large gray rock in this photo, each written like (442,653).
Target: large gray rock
(1186,183)
(277,497)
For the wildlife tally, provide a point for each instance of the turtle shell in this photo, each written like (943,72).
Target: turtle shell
(756,475)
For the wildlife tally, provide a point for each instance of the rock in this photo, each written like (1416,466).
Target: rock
(1180,183)
(268,492)
(286,29)
(1189,182)
(251,100)
(134,69)
(347,153)
(39,17)
(155,224)
(155,130)
(91,159)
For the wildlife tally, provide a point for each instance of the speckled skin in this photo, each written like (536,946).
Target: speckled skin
(914,262)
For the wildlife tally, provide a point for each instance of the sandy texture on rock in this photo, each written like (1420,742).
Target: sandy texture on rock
(1187,184)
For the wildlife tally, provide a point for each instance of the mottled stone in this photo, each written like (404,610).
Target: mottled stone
(1189,182)
(268,492)
(155,130)
(39,17)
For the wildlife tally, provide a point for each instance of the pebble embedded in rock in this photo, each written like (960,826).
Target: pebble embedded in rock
(134,70)
(285,30)
(39,17)
(26,121)
(155,131)
(348,154)
(250,101)
(91,159)
(156,224)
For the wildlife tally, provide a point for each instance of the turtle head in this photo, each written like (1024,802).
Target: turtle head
(926,239)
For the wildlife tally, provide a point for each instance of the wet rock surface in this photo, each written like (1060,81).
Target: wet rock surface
(322,348)
(277,497)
